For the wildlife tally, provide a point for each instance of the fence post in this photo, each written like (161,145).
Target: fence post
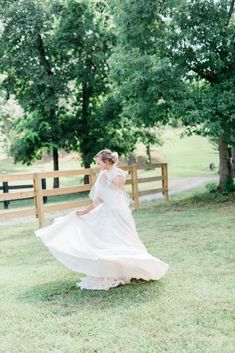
(44,186)
(38,199)
(5,189)
(134,184)
(165,181)
(92,177)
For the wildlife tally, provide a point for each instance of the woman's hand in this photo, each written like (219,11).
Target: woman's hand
(80,212)
(87,210)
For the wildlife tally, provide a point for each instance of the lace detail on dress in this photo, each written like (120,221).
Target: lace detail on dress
(100,283)
(110,175)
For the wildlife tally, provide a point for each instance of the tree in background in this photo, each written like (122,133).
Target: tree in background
(85,38)
(145,81)
(28,60)
(177,57)
(201,45)
(55,57)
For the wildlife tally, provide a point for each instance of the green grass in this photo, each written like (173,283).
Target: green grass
(189,156)
(190,310)
(7,165)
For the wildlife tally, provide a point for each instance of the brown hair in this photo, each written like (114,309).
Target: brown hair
(106,156)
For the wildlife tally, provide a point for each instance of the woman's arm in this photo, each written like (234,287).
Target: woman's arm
(119,181)
(91,207)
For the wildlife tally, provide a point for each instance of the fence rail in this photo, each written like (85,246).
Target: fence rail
(38,192)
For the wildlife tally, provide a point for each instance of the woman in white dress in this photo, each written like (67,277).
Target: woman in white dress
(101,241)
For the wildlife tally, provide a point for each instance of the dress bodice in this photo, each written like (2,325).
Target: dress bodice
(110,175)
(106,192)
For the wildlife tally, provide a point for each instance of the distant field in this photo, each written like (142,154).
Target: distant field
(190,156)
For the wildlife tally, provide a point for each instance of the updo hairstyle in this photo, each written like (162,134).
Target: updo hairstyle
(107,156)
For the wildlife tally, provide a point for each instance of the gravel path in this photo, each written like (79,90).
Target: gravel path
(175,186)
(180,185)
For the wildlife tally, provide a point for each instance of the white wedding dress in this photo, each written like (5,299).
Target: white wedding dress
(102,244)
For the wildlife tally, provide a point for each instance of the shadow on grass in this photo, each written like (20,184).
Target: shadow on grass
(65,294)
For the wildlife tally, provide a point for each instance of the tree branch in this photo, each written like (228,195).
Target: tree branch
(204,72)
(209,76)
(42,56)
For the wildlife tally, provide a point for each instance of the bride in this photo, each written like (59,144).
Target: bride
(101,241)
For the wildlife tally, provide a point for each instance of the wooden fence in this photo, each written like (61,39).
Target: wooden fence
(38,193)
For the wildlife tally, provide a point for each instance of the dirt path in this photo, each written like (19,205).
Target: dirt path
(180,185)
(175,186)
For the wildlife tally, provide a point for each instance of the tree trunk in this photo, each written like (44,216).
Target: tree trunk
(226,180)
(56,133)
(148,151)
(233,161)
(56,181)
(86,165)
(86,93)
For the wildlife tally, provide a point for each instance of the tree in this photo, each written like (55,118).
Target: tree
(86,40)
(178,57)
(32,76)
(55,57)
(145,81)
(201,44)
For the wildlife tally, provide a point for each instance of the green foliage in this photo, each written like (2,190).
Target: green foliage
(174,60)
(55,57)
(205,54)
(197,197)
(9,112)
(145,81)
(201,199)
(32,76)
(211,187)
(85,40)
(201,45)
(30,138)
(212,196)
(171,57)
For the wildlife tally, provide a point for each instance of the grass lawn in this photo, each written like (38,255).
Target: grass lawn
(188,156)
(190,310)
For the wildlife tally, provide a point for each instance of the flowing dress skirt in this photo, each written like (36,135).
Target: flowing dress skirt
(103,245)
